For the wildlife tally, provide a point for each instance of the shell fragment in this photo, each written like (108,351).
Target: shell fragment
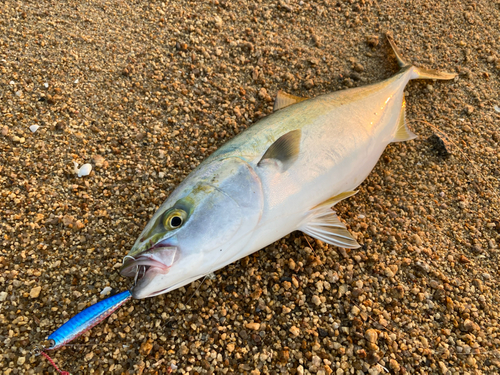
(84,170)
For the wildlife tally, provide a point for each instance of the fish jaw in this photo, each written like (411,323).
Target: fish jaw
(146,266)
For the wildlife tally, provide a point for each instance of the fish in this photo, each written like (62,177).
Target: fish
(282,174)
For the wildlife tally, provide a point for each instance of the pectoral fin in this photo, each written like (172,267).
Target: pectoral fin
(283,100)
(403,133)
(284,151)
(324,225)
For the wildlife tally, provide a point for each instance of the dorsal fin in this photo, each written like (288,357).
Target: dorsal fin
(284,150)
(330,202)
(283,100)
(399,57)
(403,133)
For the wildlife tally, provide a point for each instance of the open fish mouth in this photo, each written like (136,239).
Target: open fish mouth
(155,260)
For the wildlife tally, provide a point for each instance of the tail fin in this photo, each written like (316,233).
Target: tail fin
(418,73)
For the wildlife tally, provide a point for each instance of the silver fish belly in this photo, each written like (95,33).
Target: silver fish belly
(282,174)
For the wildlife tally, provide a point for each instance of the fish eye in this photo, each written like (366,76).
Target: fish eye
(175,221)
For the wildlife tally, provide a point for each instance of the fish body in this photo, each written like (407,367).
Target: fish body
(282,174)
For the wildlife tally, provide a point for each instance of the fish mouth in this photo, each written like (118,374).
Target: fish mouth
(154,261)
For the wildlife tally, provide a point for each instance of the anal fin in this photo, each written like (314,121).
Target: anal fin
(330,202)
(403,133)
(283,100)
(324,225)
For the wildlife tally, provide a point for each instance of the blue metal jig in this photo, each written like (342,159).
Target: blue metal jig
(87,319)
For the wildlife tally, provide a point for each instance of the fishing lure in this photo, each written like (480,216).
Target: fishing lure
(86,319)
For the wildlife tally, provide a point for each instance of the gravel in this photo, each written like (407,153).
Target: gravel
(143,92)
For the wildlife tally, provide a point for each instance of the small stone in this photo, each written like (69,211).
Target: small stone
(373,358)
(309,84)
(372,40)
(294,331)
(442,367)
(355,311)
(106,291)
(263,93)
(469,109)
(284,355)
(359,68)
(463,259)
(230,347)
(316,300)
(479,284)
(3,296)
(389,273)
(5,131)
(393,364)
(183,350)
(415,238)
(253,326)
(146,347)
(371,336)
(469,325)
(35,292)
(88,357)
(21,360)
(34,128)
(422,266)
(98,160)
(316,361)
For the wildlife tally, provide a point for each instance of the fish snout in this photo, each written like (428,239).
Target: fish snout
(159,259)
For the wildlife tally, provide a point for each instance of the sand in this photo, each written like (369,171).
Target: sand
(144,91)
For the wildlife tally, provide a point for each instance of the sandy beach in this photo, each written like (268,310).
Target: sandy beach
(144,91)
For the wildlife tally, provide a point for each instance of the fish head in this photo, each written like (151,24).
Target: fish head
(205,221)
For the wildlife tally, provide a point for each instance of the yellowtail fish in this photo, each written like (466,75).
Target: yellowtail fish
(282,174)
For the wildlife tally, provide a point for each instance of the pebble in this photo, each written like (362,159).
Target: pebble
(253,326)
(35,292)
(146,347)
(371,336)
(415,238)
(294,331)
(316,300)
(393,364)
(34,128)
(106,291)
(3,296)
(372,40)
(309,84)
